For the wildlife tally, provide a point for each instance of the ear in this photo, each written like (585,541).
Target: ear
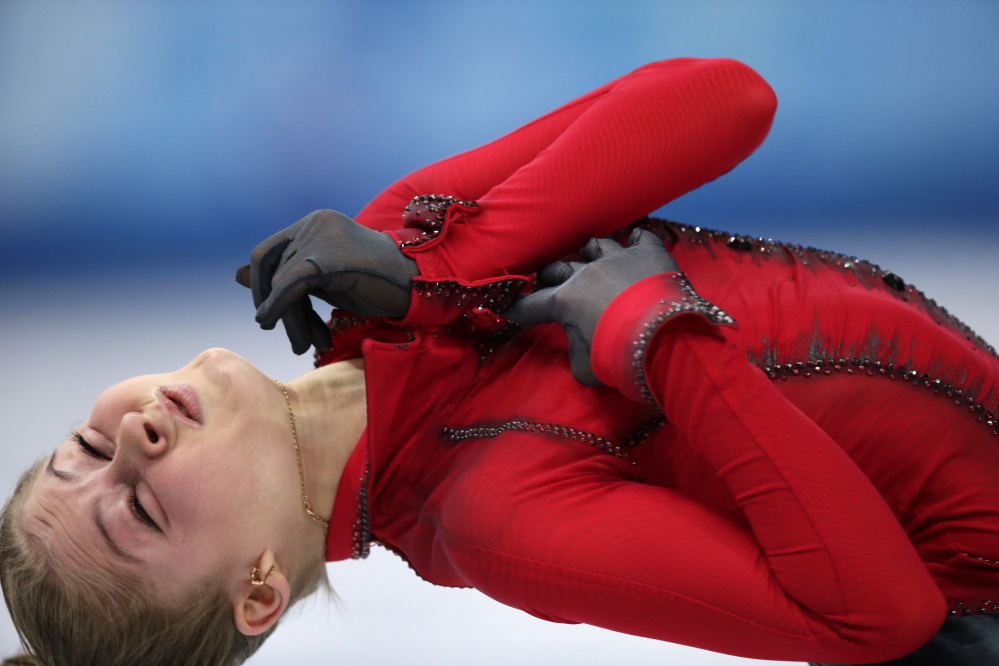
(255,608)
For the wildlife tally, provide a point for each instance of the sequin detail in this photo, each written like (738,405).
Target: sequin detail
(987,607)
(981,559)
(616,449)
(337,324)
(690,303)
(494,296)
(398,553)
(362,524)
(873,368)
(483,329)
(869,274)
(427,212)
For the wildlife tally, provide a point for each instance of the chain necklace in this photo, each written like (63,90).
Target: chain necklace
(298,454)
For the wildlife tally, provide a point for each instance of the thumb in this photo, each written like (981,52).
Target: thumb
(243,275)
(536,308)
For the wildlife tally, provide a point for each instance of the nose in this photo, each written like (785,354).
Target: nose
(138,438)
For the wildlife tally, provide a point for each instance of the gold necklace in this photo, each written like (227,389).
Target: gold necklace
(301,473)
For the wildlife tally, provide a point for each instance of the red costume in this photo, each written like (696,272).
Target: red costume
(815,482)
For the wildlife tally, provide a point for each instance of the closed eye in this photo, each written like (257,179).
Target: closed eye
(140,511)
(88,448)
(134,503)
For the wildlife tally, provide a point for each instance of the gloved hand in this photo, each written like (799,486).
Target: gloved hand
(327,255)
(575,294)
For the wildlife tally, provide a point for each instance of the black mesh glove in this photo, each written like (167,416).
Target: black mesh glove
(575,294)
(327,255)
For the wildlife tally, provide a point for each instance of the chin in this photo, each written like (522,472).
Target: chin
(227,368)
(218,353)
(218,356)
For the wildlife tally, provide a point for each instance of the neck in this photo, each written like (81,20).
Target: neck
(330,416)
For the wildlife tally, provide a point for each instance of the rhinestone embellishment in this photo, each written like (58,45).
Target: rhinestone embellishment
(868,273)
(690,302)
(616,449)
(362,524)
(987,607)
(872,368)
(427,211)
(495,296)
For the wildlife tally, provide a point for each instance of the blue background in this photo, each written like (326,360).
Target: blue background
(150,134)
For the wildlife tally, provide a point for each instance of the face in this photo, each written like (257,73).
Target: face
(173,477)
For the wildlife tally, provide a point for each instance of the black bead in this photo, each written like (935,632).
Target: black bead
(893,281)
(737,243)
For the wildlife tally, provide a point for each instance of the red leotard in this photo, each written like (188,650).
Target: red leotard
(817,482)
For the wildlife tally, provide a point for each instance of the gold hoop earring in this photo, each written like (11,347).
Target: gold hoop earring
(255,578)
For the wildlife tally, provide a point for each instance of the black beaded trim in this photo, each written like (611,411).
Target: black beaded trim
(980,559)
(486,345)
(362,524)
(495,296)
(398,553)
(987,607)
(644,431)
(906,375)
(690,301)
(430,208)
(863,270)
(337,324)
(485,340)
(618,450)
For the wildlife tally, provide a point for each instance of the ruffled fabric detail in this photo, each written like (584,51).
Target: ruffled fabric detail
(423,218)
(440,301)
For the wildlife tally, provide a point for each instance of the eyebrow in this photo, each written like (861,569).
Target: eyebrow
(97,517)
(112,544)
(65,476)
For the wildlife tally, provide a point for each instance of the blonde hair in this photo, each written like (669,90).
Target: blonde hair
(110,618)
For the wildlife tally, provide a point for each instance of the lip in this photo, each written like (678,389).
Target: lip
(182,401)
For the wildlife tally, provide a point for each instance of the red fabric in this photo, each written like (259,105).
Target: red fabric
(825,517)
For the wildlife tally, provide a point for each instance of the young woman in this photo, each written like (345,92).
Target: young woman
(748,447)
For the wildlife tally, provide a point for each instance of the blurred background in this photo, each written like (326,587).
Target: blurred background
(146,147)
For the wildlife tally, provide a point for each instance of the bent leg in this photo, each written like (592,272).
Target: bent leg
(962,641)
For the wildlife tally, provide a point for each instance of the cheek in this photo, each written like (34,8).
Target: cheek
(211,489)
(191,494)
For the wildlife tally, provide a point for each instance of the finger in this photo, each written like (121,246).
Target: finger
(558,272)
(532,309)
(599,247)
(582,370)
(579,358)
(293,286)
(321,338)
(262,269)
(296,325)
(643,237)
(651,245)
(243,275)
(554,274)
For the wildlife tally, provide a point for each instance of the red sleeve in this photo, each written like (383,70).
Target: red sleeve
(586,169)
(824,531)
(819,569)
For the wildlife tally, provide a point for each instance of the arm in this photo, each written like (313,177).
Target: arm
(821,570)
(824,532)
(585,169)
